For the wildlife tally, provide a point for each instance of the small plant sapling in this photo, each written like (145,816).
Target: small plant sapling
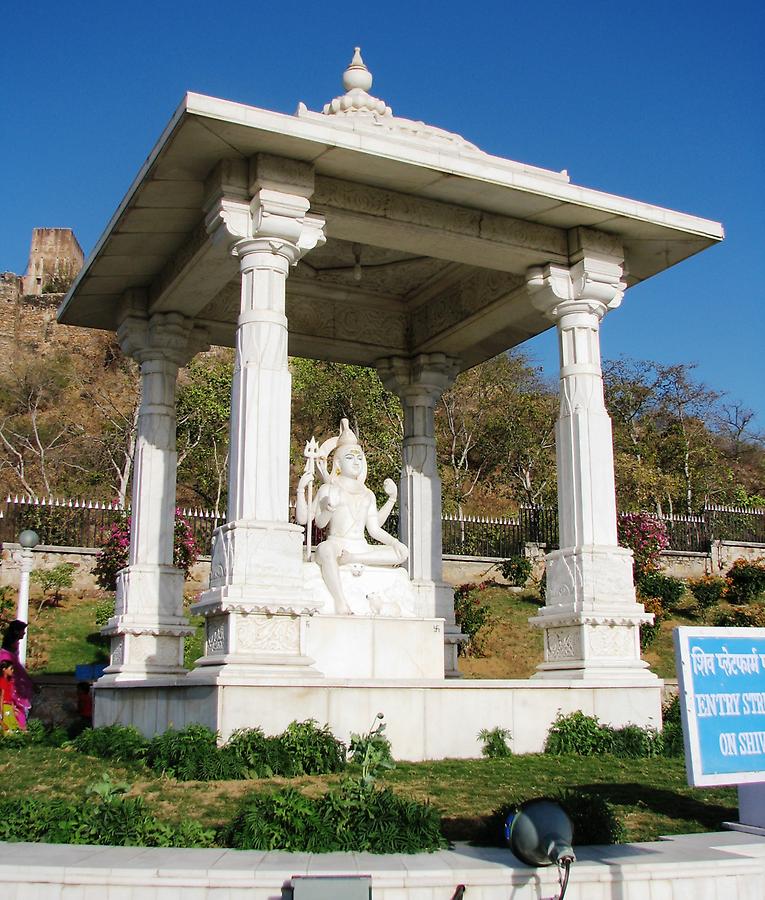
(372,751)
(495,742)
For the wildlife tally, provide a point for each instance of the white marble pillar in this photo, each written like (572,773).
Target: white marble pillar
(419,383)
(591,618)
(148,627)
(256,605)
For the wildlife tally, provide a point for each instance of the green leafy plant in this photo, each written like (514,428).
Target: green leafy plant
(672,728)
(517,570)
(471,618)
(120,742)
(594,819)
(104,611)
(312,750)
(495,742)
(636,742)
(53,581)
(258,755)
(352,817)
(106,817)
(372,751)
(745,581)
(107,789)
(584,735)
(707,591)
(191,754)
(665,588)
(580,734)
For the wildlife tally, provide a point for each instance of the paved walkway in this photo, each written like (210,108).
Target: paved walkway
(722,866)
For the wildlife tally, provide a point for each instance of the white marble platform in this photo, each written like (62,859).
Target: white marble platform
(718,866)
(425,719)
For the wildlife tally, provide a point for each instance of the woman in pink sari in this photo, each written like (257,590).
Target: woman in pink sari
(22,683)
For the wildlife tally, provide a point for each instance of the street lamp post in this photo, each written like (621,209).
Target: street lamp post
(29,540)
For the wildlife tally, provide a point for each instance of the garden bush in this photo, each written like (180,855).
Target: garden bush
(312,750)
(495,743)
(517,570)
(351,817)
(121,742)
(584,735)
(258,755)
(672,729)
(7,606)
(665,588)
(707,591)
(646,536)
(113,821)
(580,734)
(192,754)
(636,743)
(37,734)
(745,581)
(471,618)
(752,616)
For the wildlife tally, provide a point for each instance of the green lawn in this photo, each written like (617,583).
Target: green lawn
(65,636)
(651,796)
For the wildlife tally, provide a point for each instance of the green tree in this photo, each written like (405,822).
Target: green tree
(203,414)
(325,392)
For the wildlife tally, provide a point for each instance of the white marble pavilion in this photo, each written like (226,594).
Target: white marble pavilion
(354,235)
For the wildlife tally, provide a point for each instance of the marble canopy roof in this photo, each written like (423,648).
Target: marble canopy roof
(428,237)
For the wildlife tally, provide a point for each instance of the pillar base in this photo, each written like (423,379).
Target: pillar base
(140,651)
(591,618)
(251,644)
(148,628)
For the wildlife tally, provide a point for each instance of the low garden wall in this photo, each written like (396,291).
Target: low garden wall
(457,569)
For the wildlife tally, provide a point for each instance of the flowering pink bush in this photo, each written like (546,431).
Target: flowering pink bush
(646,536)
(113,555)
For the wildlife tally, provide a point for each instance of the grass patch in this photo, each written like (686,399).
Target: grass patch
(511,647)
(651,796)
(62,637)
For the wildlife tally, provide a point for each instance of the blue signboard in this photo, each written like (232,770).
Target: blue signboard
(721,673)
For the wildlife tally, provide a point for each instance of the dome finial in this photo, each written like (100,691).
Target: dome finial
(357,75)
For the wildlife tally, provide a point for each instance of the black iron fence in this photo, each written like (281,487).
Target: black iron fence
(78,523)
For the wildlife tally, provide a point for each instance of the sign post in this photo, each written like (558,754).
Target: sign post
(721,675)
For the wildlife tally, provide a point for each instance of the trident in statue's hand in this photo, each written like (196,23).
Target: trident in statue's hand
(311,454)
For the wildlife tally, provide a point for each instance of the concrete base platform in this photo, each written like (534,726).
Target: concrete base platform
(721,866)
(426,719)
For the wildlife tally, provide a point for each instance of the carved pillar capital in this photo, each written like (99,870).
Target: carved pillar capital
(593,285)
(271,222)
(426,375)
(169,337)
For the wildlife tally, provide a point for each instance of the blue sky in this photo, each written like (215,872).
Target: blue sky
(660,101)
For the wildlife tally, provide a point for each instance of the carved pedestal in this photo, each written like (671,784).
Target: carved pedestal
(591,618)
(257,600)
